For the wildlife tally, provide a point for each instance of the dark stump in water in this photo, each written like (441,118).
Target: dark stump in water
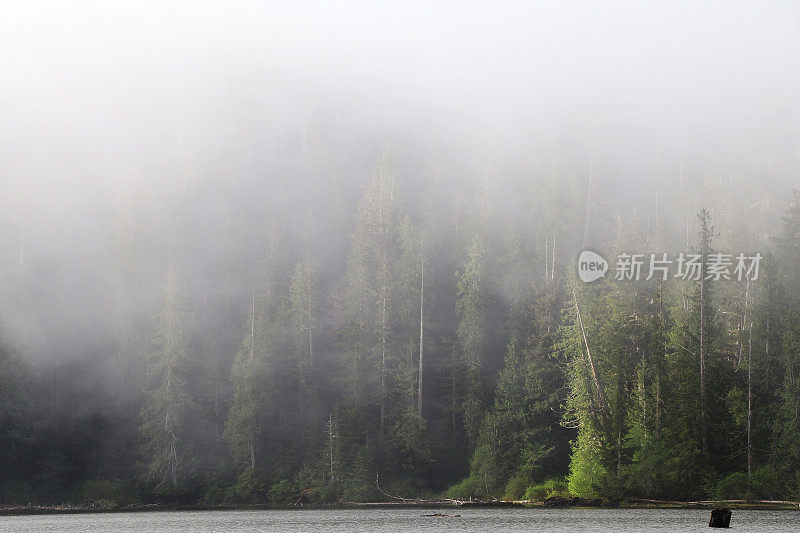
(720,518)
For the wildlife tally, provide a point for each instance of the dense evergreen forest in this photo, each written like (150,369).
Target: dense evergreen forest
(314,252)
(417,331)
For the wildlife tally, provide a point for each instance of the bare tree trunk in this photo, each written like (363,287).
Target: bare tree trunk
(331,438)
(598,388)
(453,399)
(703,421)
(643,393)
(360,339)
(658,366)
(687,228)
(657,430)
(619,455)
(743,323)
(357,351)
(252,445)
(173,452)
(766,346)
(655,222)
(355,376)
(421,331)
(383,362)
(251,440)
(546,259)
(310,318)
(750,399)
(588,197)
(703,424)
(253,327)
(384,295)
(739,342)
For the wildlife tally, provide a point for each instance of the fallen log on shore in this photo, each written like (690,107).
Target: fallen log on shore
(491,503)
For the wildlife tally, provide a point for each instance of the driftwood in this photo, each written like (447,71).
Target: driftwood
(491,503)
(422,501)
(446,501)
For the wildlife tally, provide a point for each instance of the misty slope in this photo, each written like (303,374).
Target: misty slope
(283,347)
(270,253)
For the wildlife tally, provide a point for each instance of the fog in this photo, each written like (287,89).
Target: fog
(102,99)
(204,137)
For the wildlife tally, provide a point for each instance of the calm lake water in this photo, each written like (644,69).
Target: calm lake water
(405,520)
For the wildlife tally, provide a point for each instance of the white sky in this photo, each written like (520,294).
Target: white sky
(95,93)
(451,53)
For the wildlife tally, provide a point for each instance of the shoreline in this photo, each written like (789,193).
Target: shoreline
(573,503)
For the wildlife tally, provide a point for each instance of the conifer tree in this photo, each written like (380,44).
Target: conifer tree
(165,416)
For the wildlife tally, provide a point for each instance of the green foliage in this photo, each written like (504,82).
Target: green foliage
(548,489)
(587,477)
(766,483)
(470,307)
(165,415)
(408,448)
(16,491)
(16,430)
(735,486)
(467,488)
(516,488)
(251,393)
(248,487)
(218,492)
(300,384)
(115,492)
(283,492)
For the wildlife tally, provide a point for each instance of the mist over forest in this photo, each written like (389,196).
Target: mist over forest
(325,252)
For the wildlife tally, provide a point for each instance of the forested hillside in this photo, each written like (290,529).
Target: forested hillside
(420,325)
(311,252)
